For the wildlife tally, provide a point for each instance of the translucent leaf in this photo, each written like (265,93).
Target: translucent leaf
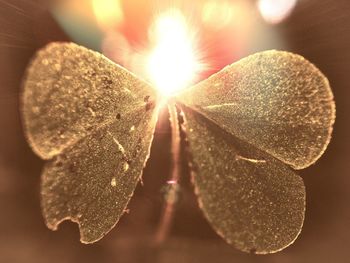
(275,100)
(95,122)
(254,201)
(70,92)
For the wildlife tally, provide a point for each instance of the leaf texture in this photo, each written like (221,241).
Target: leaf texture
(275,100)
(94,121)
(70,92)
(254,201)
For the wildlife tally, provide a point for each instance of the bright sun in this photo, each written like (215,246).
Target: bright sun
(172,64)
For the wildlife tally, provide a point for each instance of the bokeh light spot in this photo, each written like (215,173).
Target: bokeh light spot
(217,14)
(109,13)
(275,11)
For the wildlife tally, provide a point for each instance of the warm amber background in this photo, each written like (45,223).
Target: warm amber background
(318,29)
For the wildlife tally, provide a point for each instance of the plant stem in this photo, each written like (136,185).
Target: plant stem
(171,196)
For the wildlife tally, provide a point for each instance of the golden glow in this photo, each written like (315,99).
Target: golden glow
(275,11)
(109,13)
(116,47)
(217,14)
(172,64)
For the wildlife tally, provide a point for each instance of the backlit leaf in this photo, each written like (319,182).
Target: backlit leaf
(275,100)
(245,125)
(254,201)
(70,91)
(95,122)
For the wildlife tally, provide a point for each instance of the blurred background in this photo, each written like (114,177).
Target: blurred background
(221,33)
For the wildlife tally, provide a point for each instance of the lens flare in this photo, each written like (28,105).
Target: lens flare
(172,63)
(109,13)
(217,14)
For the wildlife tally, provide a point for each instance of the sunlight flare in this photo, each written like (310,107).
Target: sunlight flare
(172,63)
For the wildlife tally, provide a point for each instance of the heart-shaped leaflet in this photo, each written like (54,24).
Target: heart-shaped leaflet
(248,123)
(94,122)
